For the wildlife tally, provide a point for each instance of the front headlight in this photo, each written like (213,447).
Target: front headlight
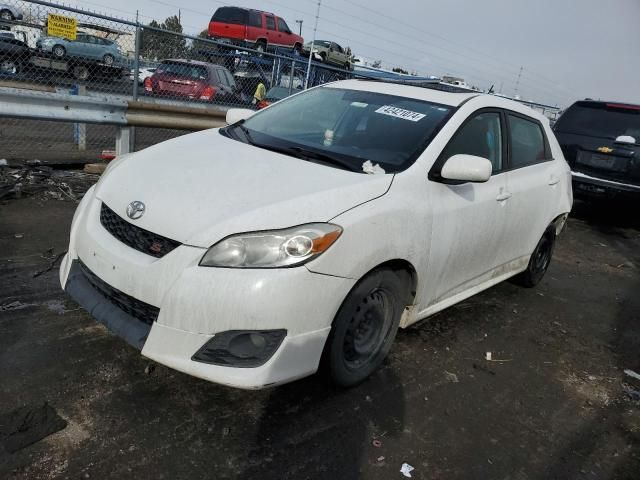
(274,248)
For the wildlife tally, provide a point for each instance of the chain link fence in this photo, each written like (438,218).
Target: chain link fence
(55,48)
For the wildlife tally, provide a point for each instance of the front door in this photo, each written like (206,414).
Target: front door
(468,226)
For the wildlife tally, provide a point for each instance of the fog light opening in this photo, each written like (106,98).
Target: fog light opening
(240,348)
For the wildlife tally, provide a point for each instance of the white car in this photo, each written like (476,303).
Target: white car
(305,234)
(143,74)
(10,12)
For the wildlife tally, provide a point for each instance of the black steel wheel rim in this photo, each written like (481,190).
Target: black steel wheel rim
(542,256)
(368,329)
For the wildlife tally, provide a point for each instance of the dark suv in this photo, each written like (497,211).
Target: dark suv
(601,142)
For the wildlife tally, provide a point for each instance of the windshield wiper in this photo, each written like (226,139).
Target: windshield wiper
(320,156)
(245,131)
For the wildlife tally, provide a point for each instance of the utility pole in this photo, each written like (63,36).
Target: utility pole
(313,42)
(179,17)
(515,93)
(299,22)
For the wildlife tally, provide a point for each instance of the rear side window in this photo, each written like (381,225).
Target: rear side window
(255,19)
(527,142)
(604,120)
(230,15)
(271,23)
(480,136)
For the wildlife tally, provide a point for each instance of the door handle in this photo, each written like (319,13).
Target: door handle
(503,196)
(554,180)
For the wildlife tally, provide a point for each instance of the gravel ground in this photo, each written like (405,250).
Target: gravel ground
(558,405)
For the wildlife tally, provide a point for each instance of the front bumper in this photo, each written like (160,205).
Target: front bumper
(195,303)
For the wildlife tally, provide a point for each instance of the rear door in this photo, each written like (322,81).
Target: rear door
(272,33)
(255,27)
(469,218)
(533,186)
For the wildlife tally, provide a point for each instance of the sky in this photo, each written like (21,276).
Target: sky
(568,49)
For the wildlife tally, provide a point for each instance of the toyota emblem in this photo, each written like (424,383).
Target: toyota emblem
(135,210)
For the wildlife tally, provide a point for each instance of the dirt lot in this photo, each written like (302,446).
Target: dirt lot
(557,406)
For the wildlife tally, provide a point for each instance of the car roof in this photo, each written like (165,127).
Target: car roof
(437,96)
(192,62)
(610,102)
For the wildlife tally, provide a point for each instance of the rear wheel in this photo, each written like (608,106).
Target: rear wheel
(260,46)
(81,73)
(297,49)
(365,327)
(539,261)
(58,51)
(323,57)
(6,15)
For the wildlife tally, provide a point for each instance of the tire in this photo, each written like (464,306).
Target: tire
(58,51)
(539,261)
(323,57)
(260,46)
(297,49)
(6,15)
(108,60)
(81,73)
(365,327)
(8,67)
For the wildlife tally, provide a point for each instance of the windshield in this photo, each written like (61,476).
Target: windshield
(353,126)
(185,70)
(605,120)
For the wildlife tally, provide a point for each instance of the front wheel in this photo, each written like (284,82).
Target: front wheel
(365,327)
(539,261)
(58,51)
(108,60)
(8,66)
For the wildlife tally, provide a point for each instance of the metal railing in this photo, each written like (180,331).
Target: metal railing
(113,61)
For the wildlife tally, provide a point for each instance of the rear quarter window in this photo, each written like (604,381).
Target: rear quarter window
(230,15)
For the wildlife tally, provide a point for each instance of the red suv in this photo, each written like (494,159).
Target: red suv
(191,79)
(252,28)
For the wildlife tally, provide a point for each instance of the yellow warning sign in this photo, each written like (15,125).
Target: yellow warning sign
(61,26)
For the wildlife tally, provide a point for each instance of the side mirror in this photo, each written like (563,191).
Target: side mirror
(467,168)
(626,139)
(236,114)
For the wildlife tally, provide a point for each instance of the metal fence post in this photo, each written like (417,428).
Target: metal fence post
(123,140)
(80,129)
(136,77)
(291,73)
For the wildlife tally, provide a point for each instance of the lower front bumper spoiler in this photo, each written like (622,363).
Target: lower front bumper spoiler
(102,309)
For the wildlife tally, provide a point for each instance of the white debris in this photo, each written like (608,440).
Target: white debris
(370,168)
(3,162)
(488,356)
(406,470)
(632,374)
(452,377)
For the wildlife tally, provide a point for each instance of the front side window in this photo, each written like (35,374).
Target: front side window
(282,26)
(480,136)
(527,142)
(271,23)
(352,126)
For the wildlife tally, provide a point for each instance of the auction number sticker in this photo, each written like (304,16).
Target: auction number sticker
(400,113)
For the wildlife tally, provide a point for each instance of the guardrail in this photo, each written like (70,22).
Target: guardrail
(104,110)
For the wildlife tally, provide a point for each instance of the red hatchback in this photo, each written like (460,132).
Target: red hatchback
(252,28)
(191,79)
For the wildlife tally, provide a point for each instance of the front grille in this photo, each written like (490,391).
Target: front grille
(137,238)
(140,310)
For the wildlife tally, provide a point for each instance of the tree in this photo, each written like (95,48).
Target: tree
(158,45)
(401,70)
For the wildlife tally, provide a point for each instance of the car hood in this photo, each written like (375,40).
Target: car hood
(202,187)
